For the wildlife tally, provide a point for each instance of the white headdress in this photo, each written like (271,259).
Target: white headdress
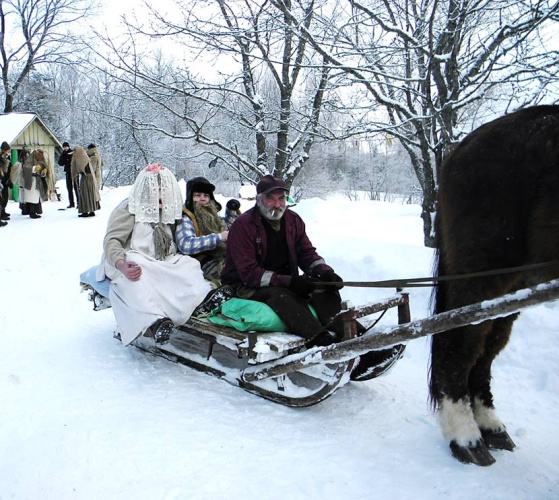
(143,200)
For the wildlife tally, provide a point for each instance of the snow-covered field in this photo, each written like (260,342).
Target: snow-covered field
(82,417)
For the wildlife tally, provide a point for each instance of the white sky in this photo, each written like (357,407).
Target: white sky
(13,124)
(110,17)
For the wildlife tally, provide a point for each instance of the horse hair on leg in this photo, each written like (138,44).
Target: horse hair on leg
(492,429)
(462,433)
(457,422)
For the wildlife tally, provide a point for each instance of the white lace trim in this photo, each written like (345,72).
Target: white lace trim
(143,200)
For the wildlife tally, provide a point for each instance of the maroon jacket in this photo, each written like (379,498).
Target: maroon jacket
(247,246)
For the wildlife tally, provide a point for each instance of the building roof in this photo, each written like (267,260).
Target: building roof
(12,125)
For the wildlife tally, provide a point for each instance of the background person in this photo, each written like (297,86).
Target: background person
(96,163)
(36,183)
(65,160)
(82,174)
(5,183)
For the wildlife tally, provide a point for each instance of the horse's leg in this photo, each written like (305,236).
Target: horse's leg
(454,353)
(492,429)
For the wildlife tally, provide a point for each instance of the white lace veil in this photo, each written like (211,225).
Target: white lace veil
(143,200)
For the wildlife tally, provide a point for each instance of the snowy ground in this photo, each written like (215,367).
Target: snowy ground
(82,417)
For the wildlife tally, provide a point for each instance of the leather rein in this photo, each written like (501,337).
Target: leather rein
(435,280)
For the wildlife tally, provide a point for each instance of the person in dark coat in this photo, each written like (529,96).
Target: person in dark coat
(5,182)
(267,246)
(65,161)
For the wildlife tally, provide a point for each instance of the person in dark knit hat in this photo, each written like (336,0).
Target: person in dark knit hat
(65,161)
(267,246)
(202,233)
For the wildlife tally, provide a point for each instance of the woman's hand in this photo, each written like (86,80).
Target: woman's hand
(130,269)
(224,235)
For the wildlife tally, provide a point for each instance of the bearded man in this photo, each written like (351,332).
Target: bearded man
(266,247)
(202,233)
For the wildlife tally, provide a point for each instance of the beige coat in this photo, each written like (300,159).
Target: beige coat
(96,163)
(169,288)
(82,173)
(80,161)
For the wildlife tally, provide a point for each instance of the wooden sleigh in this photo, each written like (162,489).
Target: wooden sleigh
(236,356)
(278,367)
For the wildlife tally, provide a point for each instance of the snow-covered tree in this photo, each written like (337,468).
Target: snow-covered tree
(439,67)
(261,113)
(34,33)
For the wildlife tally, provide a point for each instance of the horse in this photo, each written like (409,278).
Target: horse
(498,207)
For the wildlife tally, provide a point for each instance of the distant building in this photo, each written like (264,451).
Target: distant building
(28,131)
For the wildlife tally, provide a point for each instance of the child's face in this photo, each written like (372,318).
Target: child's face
(201,198)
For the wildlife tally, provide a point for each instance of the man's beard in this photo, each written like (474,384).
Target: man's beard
(271,213)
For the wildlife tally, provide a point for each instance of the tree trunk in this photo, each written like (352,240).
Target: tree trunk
(8,103)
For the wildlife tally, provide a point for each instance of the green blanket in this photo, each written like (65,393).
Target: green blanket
(248,315)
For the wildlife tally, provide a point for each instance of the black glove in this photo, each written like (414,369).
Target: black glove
(329,276)
(233,205)
(302,286)
(10,184)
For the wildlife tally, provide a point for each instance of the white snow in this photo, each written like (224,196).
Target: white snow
(12,124)
(247,191)
(82,417)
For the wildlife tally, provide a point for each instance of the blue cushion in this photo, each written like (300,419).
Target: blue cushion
(88,278)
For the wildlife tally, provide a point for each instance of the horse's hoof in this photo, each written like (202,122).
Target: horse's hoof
(477,455)
(497,440)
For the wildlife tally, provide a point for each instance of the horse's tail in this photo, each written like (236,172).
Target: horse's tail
(437,304)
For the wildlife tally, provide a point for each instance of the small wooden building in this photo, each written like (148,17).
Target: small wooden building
(28,131)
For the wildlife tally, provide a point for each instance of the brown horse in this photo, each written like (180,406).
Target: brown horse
(498,207)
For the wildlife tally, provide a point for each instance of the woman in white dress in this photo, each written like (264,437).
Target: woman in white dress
(36,182)
(152,286)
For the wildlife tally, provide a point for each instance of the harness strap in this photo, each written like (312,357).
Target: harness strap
(434,280)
